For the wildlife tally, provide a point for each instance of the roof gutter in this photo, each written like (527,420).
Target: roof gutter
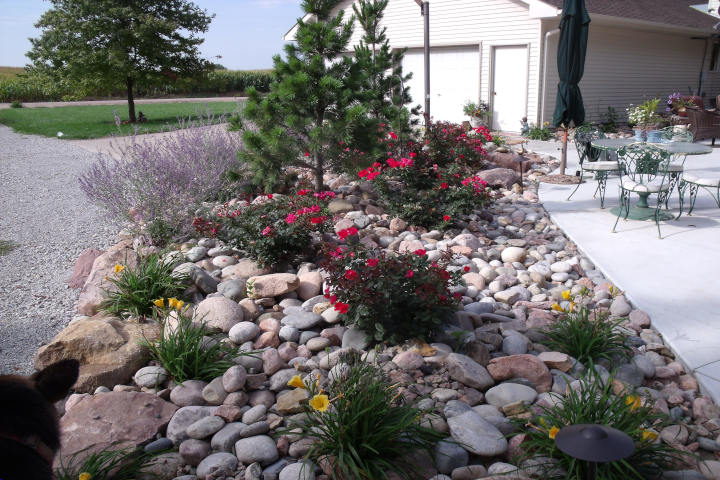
(607,20)
(544,77)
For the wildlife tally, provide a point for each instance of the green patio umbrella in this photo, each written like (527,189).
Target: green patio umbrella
(571,50)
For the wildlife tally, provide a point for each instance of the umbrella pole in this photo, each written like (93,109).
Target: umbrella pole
(563,158)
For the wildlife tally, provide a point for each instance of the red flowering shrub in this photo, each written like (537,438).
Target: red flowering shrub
(450,143)
(274,231)
(430,184)
(391,297)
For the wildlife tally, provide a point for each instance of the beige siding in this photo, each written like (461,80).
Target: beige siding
(626,66)
(483,23)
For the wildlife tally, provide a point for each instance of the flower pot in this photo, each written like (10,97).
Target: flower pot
(640,135)
(654,136)
(682,112)
(475,122)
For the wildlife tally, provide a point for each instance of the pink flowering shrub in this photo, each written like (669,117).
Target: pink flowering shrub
(392,297)
(274,231)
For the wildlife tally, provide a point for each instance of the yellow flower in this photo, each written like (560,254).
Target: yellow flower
(649,435)
(552,432)
(557,307)
(566,295)
(296,382)
(634,401)
(171,302)
(84,476)
(319,402)
(179,304)
(160,303)
(572,306)
(119,268)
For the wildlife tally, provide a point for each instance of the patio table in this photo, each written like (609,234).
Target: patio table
(677,150)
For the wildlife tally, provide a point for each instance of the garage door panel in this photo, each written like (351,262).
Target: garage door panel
(454,79)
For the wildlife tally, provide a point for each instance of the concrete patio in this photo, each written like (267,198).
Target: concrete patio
(673,279)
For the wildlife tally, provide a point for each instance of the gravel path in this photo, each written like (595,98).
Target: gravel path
(42,210)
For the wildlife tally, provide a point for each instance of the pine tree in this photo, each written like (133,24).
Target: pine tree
(313,104)
(386,90)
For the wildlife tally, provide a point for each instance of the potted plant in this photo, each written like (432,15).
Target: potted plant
(644,117)
(478,112)
(677,104)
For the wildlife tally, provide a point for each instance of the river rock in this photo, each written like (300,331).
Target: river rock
(183,418)
(521,366)
(505,393)
(477,435)
(219,313)
(217,465)
(260,448)
(272,285)
(467,371)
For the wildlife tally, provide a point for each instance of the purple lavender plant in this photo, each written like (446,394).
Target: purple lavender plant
(163,180)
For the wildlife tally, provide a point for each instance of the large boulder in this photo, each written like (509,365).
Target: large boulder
(103,268)
(499,177)
(109,350)
(83,267)
(128,418)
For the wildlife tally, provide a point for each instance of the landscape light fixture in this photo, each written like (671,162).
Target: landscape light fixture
(594,444)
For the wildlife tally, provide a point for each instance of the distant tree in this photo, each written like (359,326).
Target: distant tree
(386,90)
(113,43)
(314,108)
(218,66)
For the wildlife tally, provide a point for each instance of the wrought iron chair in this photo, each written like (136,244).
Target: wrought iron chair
(589,160)
(694,181)
(675,133)
(643,170)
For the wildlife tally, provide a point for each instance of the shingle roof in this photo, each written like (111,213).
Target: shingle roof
(669,12)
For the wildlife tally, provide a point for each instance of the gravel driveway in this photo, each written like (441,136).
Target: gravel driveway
(42,210)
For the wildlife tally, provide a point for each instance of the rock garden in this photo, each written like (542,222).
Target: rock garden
(310,334)
(338,293)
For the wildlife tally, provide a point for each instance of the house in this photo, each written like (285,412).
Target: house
(504,52)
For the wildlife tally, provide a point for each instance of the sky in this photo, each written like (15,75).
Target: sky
(245,33)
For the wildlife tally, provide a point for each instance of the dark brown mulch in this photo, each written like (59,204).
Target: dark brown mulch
(560,179)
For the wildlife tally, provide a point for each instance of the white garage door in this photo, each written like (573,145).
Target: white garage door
(454,79)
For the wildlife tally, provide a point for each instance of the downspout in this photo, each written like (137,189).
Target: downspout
(702,67)
(544,81)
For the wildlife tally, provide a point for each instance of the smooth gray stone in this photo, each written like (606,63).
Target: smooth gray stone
(227,436)
(302,320)
(158,445)
(260,449)
(449,456)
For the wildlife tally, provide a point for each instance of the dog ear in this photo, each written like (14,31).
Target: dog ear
(55,381)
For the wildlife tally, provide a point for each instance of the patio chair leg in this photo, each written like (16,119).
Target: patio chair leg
(693,196)
(717,196)
(576,186)
(657,219)
(674,177)
(602,184)
(622,205)
(681,196)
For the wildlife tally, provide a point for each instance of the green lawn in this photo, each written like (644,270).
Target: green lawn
(98,120)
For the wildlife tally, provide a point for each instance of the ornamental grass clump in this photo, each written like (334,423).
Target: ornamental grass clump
(586,333)
(106,464)
(188,349)
(273,229)
(392,297)
(166,179)
(133,290)
(594,402)
(361,427)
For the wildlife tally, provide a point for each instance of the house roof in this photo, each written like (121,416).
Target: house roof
(669,12)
